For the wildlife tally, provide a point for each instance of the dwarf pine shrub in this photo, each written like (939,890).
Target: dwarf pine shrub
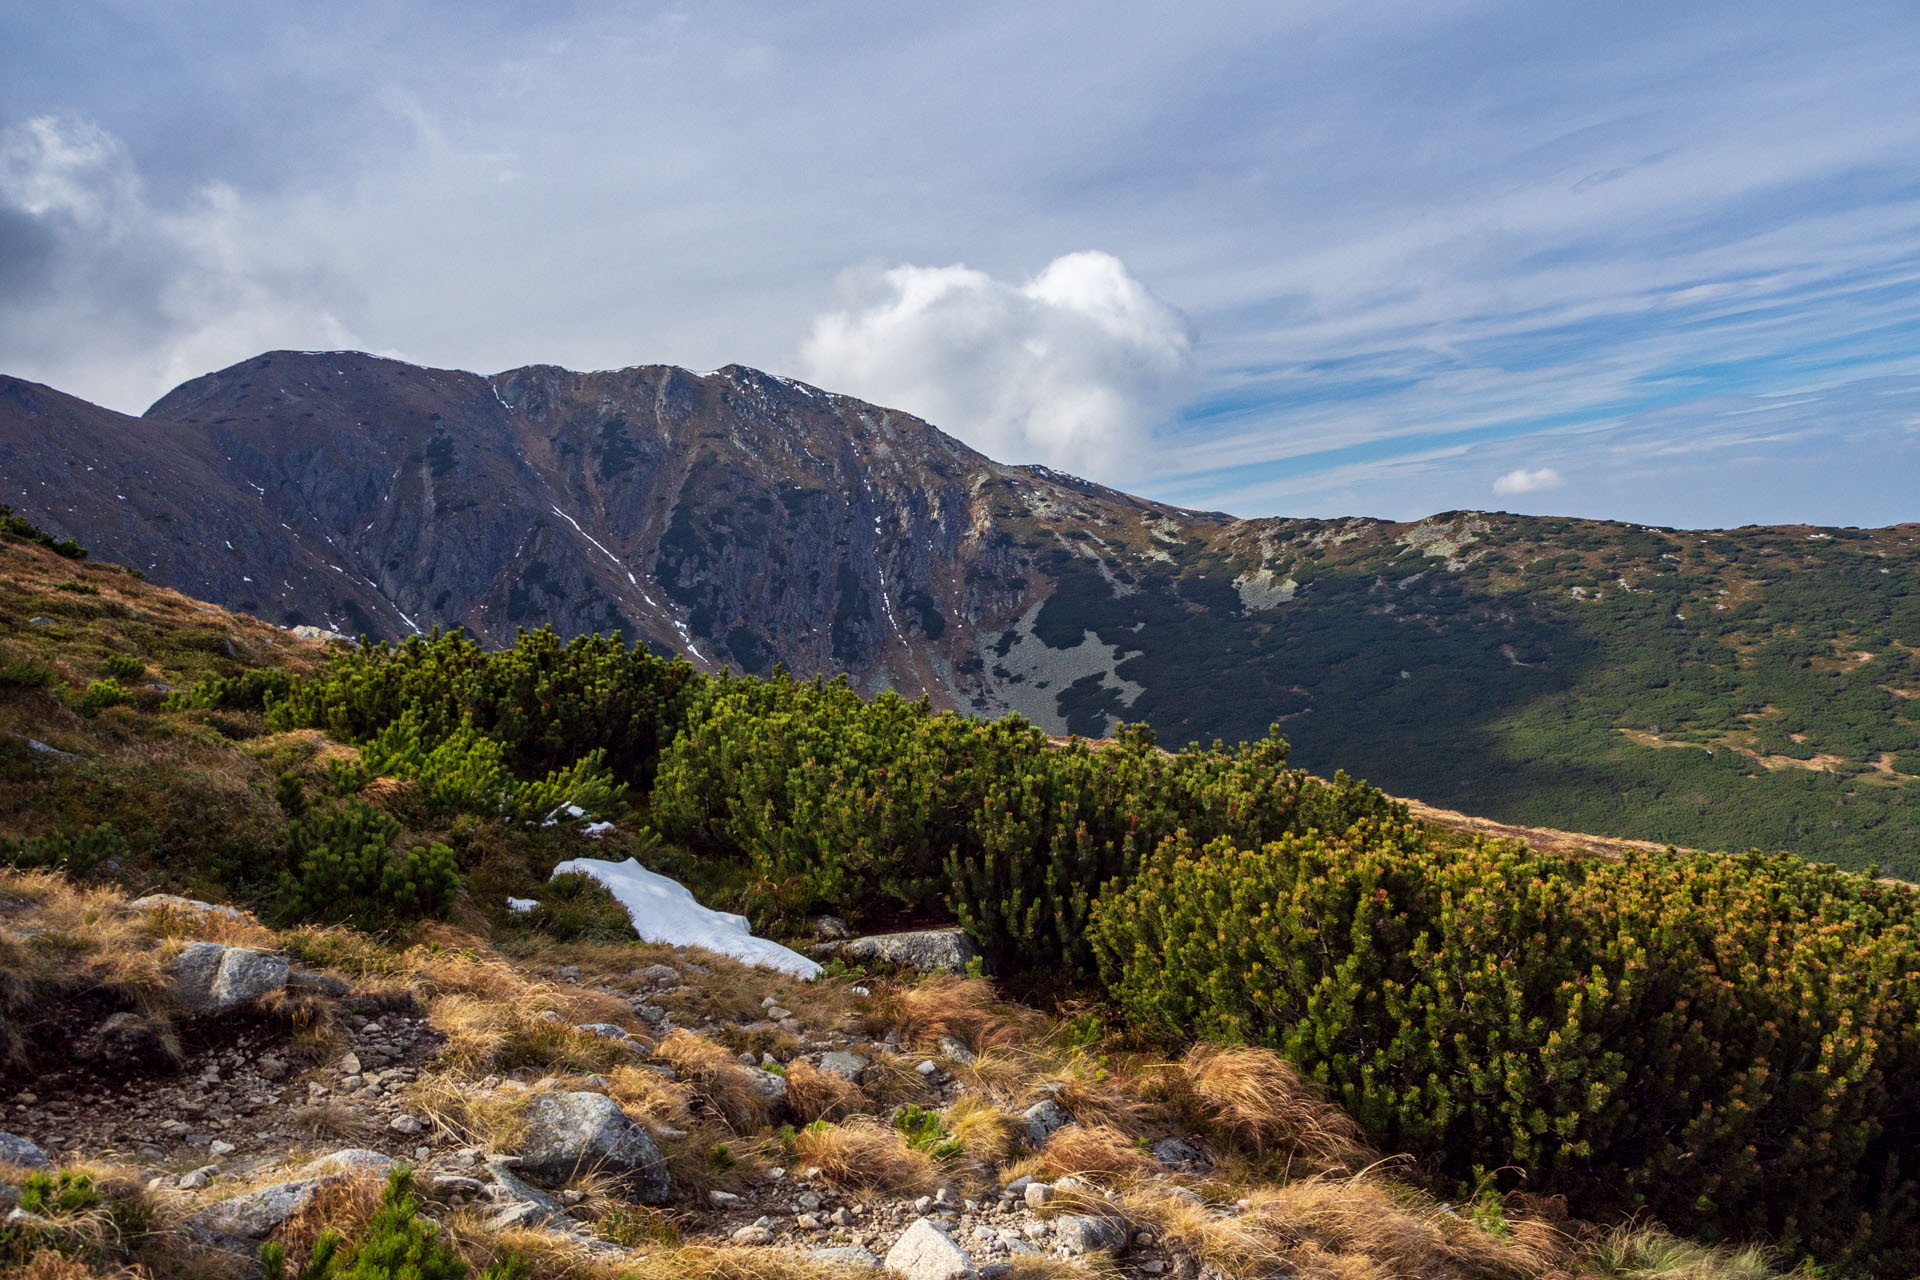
(399,1243)
(466,772)
(100,695)
(76,853)
(20,527)
(251,690)
(1729,1042)
(346,869)
(545,702)
(850,805)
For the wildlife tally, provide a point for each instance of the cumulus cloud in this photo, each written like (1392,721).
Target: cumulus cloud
(1073,368)
(95,277)
(1521,480)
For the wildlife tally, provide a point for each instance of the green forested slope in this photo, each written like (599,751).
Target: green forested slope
(1751,687)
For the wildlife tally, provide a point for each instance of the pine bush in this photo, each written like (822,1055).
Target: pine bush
(347,870)
(399,1243)
(546,703)
(77,853)
(1729,1042)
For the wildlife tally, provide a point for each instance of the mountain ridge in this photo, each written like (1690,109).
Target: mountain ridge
(1539,670)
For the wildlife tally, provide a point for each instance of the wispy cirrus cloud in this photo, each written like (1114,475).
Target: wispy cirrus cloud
(1415,246)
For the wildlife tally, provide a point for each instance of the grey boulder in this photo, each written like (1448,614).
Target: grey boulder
(17,1150)
(925,1252)
(928,950)
(185,906)
(526,1206)
(573,1133)
(255,1215)
(211,978)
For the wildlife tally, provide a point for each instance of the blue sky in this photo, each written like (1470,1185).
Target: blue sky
(1649,262)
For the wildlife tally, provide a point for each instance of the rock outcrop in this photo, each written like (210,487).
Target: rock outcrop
(574,1133)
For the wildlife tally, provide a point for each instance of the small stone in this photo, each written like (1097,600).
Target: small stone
(807,1222)
(842,1063)
(1038,1195)
(778,1014)
(350,1063)
(1176,1154)
(753,1235)
(1043,1119)
(807,1201)
(722,1199)
(853,1255)
(1083,1234)
(404,1124)
(953,1051)
(198,1178)
(217,1148)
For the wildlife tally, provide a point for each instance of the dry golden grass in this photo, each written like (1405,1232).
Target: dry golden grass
(946,1005)
(1346,1228)
(713,1157)
(890,1080)
(813,1094)
(551,1257)
(865,1155)
(344,1204)
(648,1095)
(720,1083)
(1256,1096)
(1096,1152)
(1640,1252)
(988,1135)
(48,1265)
(492,1119)
(64,937)
(331,1120)
(1111,1097)
(210,926)
(1362,1227)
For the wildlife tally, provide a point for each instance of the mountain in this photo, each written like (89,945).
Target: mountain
(1758,686)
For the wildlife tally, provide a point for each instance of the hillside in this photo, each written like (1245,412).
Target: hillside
(1732,688)
(357,991)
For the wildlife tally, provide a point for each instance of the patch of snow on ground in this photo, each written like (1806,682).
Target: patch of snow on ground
(522,904)
(664,910)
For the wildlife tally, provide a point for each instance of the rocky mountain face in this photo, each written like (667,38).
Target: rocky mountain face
(1754,686)
(736,517)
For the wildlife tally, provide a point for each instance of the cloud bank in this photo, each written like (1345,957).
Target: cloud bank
(103,292)
(1073,368)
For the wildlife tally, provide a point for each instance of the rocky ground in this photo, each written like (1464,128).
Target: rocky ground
(257,1117)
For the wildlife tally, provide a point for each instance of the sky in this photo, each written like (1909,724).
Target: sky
(1637,261)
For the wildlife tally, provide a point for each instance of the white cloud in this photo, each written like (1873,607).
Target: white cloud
(111,295)
(1521,480)
(1073,368)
